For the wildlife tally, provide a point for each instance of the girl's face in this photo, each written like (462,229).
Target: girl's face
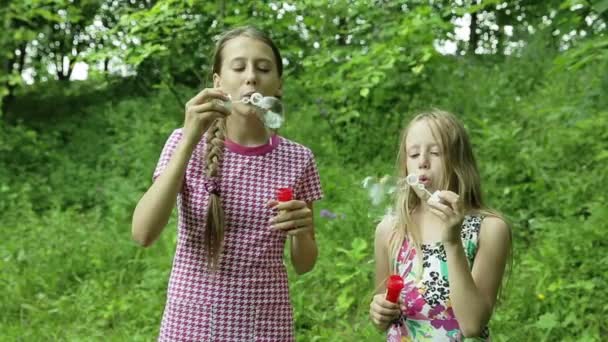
(248,66)
(424,156)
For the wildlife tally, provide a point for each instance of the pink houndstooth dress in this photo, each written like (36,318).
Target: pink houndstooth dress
(248,298)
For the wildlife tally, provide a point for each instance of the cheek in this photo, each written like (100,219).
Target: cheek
(229,76)
(438,167)
(409,166)
(270,80)
(228,79)
(440,172)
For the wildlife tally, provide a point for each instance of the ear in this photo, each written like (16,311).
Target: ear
(216,80)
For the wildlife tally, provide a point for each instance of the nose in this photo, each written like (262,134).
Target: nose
(424,161)
(251,77)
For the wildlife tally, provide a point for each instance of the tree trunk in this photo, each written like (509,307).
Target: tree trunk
(501,19)
(65,74)
(9,68)
(22,57)
(473,36)
(222,9)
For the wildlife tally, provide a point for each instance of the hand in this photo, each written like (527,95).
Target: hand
(450,212)
(382,312)
(294,218)
(201,111)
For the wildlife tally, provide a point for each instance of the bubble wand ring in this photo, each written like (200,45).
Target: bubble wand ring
(414,181)
(269,109)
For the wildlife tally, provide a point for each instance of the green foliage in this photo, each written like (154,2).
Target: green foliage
(373,77)
(591,51)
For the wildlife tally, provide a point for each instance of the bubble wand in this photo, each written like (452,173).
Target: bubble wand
(270,109)
(414,181)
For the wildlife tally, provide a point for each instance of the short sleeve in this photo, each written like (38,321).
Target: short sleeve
(308,187)
(167,153)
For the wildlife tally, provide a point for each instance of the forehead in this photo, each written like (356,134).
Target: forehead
(420,133)
(244,47)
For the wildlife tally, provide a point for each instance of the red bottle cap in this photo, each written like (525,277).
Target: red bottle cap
(284,194)
(394,285)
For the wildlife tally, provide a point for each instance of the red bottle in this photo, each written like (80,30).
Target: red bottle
(394,285)
(284,194)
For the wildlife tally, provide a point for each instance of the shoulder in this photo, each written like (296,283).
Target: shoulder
(385,227)
(175,137)
(172,141)
(293,147)
(495,231)
(177,133)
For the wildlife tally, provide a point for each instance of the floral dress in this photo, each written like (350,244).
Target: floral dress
(427,313)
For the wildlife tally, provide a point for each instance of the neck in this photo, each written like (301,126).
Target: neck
(246,130)
(424,224)
(422,212)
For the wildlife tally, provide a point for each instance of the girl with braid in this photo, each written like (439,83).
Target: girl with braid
(223,169)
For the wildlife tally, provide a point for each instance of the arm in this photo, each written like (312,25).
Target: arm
(295,219)
(381,257)
(473,293)
(154,208)
(304,248)
(381,311)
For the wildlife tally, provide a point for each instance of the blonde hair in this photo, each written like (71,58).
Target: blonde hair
(461,176)
(215,230)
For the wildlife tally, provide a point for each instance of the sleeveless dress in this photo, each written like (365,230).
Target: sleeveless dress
(427,313)
(247,299)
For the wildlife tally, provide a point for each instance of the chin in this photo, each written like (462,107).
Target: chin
(243,110)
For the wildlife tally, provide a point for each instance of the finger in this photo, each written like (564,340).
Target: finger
(381,319)
(286,215)
(207,117)
(377,317)
(299,231)
(210,107)
(208,94)
(379,326)
(457,206)
(386,311)
(385,304)
(450,198)
(291,205)
(454,199)
(441,207)
(293,224)
(439,214)
(381,301)
(423,195)
(384,319)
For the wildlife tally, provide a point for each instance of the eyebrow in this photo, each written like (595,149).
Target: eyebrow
(418,146)
(257,60)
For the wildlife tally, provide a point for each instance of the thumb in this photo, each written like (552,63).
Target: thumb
(272,203)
